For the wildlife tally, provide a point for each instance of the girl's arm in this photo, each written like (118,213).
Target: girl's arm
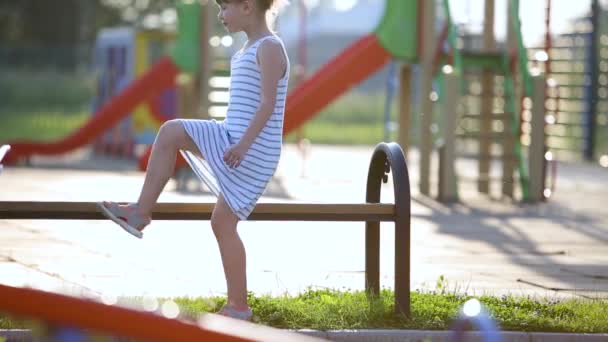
(272,68)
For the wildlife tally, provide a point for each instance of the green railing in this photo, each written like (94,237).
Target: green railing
(511,96)
(452,39)
(522,52)
(457,60)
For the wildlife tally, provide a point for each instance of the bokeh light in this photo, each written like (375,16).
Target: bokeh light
(170,309)
(604,160)
(344,5)
(472,307)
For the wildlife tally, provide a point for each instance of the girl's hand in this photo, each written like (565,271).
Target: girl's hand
(235,154)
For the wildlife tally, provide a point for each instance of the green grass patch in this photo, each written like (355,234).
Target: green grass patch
(341,134)
(356,118)
(43,89)
(40,126)
(43,105)
(332,309)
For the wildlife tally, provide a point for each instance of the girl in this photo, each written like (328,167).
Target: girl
(236,157)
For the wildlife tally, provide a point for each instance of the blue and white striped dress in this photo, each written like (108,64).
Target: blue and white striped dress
(241,186)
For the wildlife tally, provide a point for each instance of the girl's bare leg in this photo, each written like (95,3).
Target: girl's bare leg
(171,137)
(232,251)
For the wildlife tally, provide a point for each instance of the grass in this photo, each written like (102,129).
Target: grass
(353,120)
(40,126)
(40,89)
(332,309)
(331,133)
(356,118)
(43,105)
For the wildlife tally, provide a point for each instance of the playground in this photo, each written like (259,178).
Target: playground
(486,174)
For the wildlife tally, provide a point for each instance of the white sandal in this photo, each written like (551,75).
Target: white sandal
(125,216)
(230,311)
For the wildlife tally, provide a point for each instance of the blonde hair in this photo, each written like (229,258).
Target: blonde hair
(270,7)
(263,5)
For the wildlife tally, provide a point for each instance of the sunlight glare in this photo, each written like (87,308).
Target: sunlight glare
(472,307)
(344,5)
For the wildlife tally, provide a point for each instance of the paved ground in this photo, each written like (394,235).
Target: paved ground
(480,245)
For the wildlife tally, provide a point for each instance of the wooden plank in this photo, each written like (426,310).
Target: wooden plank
(202,211)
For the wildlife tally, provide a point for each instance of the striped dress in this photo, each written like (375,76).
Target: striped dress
(241,186)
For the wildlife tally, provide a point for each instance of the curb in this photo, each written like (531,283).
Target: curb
(370,335)
(374,335)
(16,335)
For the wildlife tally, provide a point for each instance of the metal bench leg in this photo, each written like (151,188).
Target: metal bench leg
(386,158)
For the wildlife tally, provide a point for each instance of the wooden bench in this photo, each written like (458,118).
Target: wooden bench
(386,158)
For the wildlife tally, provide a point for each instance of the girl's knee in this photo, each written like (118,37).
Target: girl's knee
(171,129)
(172,132)
(221,226)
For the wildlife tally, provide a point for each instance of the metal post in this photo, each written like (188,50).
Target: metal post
(591,105)
(447,176)
(537,142)
(391,84)
(405,107)
(487,99)
(426,110)
(508,164)
(372,228)
(390,158)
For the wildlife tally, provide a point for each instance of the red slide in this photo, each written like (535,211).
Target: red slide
(161,76)
(349,68)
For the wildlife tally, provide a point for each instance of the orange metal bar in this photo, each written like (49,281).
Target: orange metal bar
(86,314)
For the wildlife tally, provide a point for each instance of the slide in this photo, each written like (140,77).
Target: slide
(356,63)
(159,77)
(352,66)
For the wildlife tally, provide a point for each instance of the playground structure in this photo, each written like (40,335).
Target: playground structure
(575,62)
(497,107)
(121,55)
(399,36)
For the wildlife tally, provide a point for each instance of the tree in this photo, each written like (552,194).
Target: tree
(57,31)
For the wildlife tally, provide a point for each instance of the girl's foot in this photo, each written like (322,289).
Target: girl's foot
(125,216)
(229,311)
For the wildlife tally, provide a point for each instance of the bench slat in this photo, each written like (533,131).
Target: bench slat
(202,211)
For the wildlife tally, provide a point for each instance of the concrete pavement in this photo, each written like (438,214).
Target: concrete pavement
(479,246)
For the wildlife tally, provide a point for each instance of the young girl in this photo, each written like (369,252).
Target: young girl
(236,157)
